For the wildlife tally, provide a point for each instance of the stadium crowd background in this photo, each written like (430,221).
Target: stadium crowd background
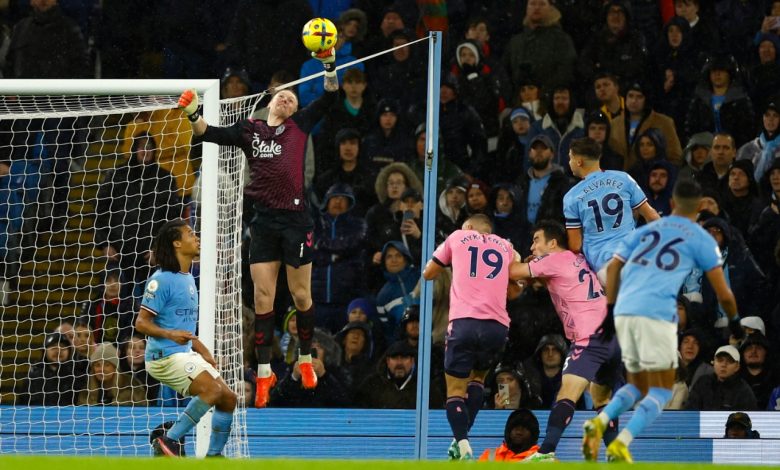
(672,89)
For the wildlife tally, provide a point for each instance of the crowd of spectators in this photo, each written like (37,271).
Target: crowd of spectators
(670,89)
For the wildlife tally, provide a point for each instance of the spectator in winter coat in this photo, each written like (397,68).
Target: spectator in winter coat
(545,367)
(401,276)
(660,181)
(696,155)
(107,385)
(724,389)
(332,382)
(357,346)
(532,316)
(607,89)
(452,208)
(477,194)
(353,25)
(764,75)
(394,384)
(651,148)
(445,169)
(510,160)
(131,361)
(519,393)
(388,141)
(618,47)
(133,203)
(51,382)
(677,65)
(111,316)
(543,51)
(704,32)
(521,434)
(714,175)
(758,367)
(479,85)
(742,202)
(598,128)
(542,188)
(399,79)
(364,311)
(743,274)
(351,171)
(508,222)
(694,356)
(737,21)
(356,110)
(765,235)
(384,218)
(640,116)
(562,124)
(720,104)
(462,132)
(47,44)
(764,149)
(338,257)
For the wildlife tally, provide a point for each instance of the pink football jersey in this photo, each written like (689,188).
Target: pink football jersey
(575,291)
(480,274)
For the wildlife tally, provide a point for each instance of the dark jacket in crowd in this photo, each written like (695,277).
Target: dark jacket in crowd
(51,383)
(552,199)
(133,203)
(47,45)
(463,135)
(710,394)
(510,226)
(337,270)
(361,180)
(736,113)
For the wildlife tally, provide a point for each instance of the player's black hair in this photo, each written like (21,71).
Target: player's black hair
(586,147)
(164,253)
(481,219)
(553,230)
(687,189)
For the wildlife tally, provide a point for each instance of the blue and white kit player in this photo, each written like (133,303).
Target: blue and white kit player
(599,210)
(174,355)
(643,281)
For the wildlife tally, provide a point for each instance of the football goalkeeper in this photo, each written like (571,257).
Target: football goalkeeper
(281,230)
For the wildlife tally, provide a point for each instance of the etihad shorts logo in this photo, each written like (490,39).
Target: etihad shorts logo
(263,149)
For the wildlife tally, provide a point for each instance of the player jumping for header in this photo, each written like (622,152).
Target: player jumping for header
(478,318)
(174,355)
(594,357)
(282,226)
(599,209)
(643,280)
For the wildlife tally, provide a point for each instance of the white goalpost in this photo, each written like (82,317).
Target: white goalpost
(65,144)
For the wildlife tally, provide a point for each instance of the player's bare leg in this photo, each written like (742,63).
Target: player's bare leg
(264,276)
(299,283)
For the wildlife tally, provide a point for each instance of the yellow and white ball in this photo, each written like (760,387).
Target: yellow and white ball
(319,34)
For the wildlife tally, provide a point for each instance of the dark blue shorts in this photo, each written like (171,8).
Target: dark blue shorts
(596,360)
(472,344)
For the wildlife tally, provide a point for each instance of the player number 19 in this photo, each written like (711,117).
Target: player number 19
(490,257)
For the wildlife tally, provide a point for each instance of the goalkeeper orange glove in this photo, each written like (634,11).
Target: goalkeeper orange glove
(188,101)
(328,59)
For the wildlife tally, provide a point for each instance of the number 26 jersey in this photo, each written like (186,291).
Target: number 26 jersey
(658,258)
(480,274)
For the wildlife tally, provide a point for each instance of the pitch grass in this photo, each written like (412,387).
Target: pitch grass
(111,463)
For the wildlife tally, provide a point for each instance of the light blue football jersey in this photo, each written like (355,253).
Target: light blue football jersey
(658,258)
(602,204)
(173,298)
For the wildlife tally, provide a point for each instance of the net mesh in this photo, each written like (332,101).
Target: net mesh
(85,181)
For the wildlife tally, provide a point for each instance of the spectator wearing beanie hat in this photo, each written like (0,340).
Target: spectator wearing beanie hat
(477,195)
(764,149)
(388,141)
(741,202)
(510,161)
(351,170)
(107,385)
(521,434)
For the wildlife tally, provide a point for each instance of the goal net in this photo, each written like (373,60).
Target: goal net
(85,182)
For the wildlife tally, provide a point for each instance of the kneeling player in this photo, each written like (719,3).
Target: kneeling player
(174,355)
(594,358)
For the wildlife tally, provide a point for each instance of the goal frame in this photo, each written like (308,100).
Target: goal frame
(209,88)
